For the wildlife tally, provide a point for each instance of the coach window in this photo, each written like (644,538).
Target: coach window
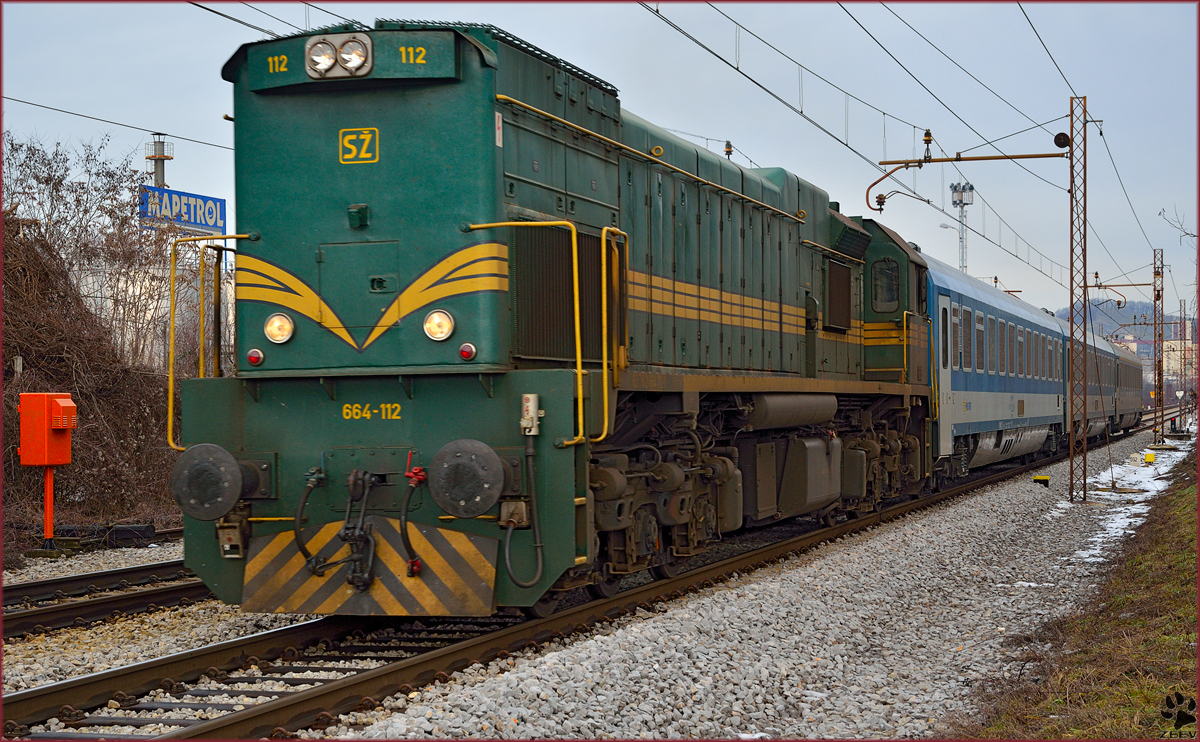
(1028,352)
(1020,351)
(980,342)
(955,339)
(1012,355)
(945,338)
(1001,340)
(1037,355)
(991,344)
(968,341)
(885,282)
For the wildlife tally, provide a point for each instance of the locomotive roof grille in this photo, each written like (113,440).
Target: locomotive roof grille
(504,37)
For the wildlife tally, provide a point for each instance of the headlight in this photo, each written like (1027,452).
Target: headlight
(279,328)
(321,56)
(438,325)
(353,54)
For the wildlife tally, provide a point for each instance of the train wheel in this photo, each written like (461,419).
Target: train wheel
(544,607)
(666,570)
(605,588)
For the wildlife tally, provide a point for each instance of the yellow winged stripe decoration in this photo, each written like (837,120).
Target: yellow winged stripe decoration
(258,280)
(468,271)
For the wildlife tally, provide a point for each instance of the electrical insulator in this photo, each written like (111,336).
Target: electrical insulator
(728,149)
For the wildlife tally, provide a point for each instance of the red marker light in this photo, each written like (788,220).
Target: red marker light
(467,352)
(255,356)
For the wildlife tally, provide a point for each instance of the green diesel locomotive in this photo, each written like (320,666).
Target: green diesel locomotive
(498,338)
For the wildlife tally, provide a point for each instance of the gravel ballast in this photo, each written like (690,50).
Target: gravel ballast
(880,634)
(40,568)
(48,658)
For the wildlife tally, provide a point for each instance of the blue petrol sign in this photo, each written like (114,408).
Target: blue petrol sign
(188,211)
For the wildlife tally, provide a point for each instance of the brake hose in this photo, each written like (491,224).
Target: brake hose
(537,531)
(309,561)
(415,477)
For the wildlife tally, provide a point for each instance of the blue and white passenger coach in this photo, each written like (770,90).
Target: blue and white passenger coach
(1001,376)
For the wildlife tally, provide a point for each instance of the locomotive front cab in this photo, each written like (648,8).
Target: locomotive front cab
(379,452)
(355,184)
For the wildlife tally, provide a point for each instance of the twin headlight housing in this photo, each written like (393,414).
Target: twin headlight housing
(279,327)
(338,55)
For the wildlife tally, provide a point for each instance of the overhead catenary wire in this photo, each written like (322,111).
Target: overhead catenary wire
(1111,159)
(976,79)
(236,20)
(831,135)
(335,15)
(1035,125)
(117,123)
(712,139)
(1006,136)
(260,10)
(939,100)
(1039,38)
(803,68)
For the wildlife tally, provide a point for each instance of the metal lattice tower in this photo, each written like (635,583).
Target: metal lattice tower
(1077,357)
(1181,336)
(962,195)
(1158,346)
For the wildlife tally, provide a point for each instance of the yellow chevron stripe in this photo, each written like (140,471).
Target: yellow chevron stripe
(438,564)
(287,291)
(429,287)
(416,588)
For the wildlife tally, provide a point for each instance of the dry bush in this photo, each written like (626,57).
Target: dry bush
(85,296)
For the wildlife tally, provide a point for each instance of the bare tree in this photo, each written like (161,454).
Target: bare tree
(86,312)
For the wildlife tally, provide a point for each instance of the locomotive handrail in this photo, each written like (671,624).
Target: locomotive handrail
(904,344)
(933,370)
(669,166)
(604,335)
(171,331)
(581,436)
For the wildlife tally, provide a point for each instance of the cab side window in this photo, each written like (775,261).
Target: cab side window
(885,285)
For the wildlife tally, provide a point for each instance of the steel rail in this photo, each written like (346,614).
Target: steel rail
(92,581)
(84,610)
(90,691)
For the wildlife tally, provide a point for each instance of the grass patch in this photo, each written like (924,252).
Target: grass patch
(1113,664)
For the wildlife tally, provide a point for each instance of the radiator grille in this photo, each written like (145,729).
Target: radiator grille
(540,284)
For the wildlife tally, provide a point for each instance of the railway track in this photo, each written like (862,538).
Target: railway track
(303,676)
(44,605)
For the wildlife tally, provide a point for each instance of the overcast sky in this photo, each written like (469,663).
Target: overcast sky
(157,66)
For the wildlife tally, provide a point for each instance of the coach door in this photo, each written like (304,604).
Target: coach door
(942,350)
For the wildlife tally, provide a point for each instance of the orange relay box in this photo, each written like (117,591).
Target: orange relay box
(47,420)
